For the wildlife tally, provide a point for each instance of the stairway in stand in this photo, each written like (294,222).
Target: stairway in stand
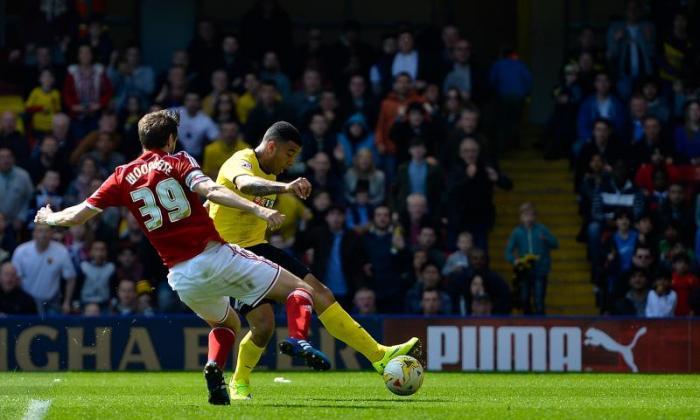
(548,184)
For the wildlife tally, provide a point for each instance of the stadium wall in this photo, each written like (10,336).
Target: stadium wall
(452,344)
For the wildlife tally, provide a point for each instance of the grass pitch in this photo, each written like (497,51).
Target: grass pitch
(352,395)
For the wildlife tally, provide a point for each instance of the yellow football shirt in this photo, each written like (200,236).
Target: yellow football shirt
(217,152)
(234,225)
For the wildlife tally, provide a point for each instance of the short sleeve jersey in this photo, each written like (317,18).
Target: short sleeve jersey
(238,226)
(157,188)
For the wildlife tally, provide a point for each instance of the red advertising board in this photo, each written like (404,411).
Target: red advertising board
(553,345)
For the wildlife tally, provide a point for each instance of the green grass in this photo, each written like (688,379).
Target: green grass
(356,395)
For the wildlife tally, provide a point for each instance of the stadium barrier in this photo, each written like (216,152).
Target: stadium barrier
(453,344)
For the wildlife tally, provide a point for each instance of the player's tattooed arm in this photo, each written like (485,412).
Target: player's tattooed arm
(253,185)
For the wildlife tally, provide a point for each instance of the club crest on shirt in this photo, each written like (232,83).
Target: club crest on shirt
(246,165)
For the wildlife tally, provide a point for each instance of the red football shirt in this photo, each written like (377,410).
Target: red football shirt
(157,189)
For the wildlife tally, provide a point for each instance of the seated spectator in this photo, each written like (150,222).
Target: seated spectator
(364,302)
(415,217)
(675,208)
(131,78)
(217,152)
(363,169)
(398,99)
(224,110)
(126,302)
(634,301)
(13,300)
(481,305)
(328,106)
(459,260)
(531,240)
(451,110)
(107,125)
(601,104)
(412,123)
(672,244)
(219,88)
(41,279)
(472,178)
(656,105)
(650,144)
(232,59)
(12,139)
(467,126)
(307,99)
(60,130)
(79,189)
(8,239)
(17,189)
(268,110)
(86,91)
(271,71)
(128,264)
(48,157)
(105,155)
(44,102)
(196,128)
(320,203)
(46,194)
(687,136)
(431,303)
(173,89)
(634,127)
(97,275)
(358,214)
(602,144)
(321,175)
(355,136)
(337,256)
(387,259)
(661,301)
(428,242)
(684,283)
(464,74)
(419,176)
(429,279)
(359,100)
(246,101)
(410,61)
(318,138)
(646,234)
(630,47)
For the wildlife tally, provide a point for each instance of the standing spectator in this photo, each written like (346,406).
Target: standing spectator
(44,102)
(271,70)
(396,101)
(319,139)
(196,128)
(364,302)
(561,126)
(12,139)
(472,179)
(355,136)
(97,276)
(217,152)
(17,189)
(363,169)
(232,60)
(246,101)
(684,283)
(687,136)
(382,66)
(86,91)
(411,123)
(619,250)
(634,301)
(387,256)
(464,75)
(661,302)
(337,256)
(408,60)
(677,50)
(131,78)
(322,176)
(512,83)
(41,263)
(219,88)
(269,109)
(532,239)
(631,48)
(418,176)
(601,104)
(459,260)
(204,49)
(40,61)
(306,100)
(13,300)
(359,100)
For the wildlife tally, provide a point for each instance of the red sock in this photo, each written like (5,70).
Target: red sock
(299,306)
(221,341)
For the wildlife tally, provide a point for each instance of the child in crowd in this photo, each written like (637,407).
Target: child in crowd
(661,301)
(459,259)
(684,283)
(358,215)
(44,102)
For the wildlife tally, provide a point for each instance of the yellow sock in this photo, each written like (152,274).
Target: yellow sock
(248,356)
(341,326)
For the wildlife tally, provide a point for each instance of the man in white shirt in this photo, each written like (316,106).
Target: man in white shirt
(196,128)
(406,58)
(16,189)
(41,263)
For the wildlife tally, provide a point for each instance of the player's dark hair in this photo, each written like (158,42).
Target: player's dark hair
(284,132)
(156,128)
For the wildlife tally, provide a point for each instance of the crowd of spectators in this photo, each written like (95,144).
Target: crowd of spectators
(400,143)
(628,114)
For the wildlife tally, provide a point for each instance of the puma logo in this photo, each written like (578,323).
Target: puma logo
(596,337)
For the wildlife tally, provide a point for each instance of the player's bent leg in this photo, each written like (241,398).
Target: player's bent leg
(261,320)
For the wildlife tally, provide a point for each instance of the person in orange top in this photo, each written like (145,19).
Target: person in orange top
(392,107)
(684,283)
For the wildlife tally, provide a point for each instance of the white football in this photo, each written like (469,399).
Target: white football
(403,375)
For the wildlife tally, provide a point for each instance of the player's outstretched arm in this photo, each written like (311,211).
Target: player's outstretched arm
(219,194)
(71,216)
(253,185)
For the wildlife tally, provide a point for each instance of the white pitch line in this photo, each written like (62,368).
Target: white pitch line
(37,409)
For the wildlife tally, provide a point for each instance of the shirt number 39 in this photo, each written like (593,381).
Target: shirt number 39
(171,197)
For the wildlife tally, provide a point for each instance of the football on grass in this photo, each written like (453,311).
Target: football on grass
(403,375)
